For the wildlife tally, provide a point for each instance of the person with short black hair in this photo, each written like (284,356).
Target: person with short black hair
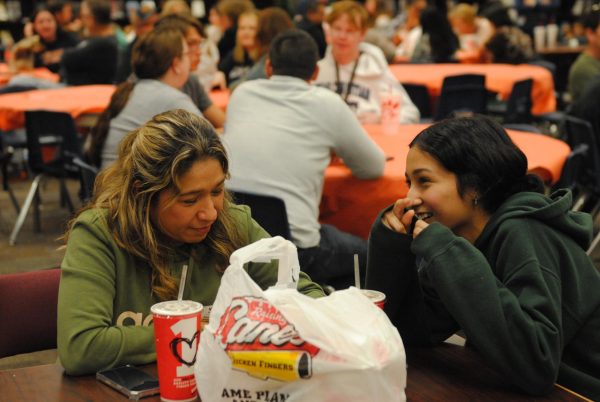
(281,133)
(476,246)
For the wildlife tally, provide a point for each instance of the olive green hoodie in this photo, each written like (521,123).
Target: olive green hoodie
(525,294)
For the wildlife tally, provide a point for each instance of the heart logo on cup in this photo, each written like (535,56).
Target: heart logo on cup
(175,350)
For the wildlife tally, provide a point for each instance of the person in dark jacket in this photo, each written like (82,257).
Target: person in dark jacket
(53,39)
(491,255)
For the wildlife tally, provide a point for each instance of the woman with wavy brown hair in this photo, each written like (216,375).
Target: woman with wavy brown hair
(162,205)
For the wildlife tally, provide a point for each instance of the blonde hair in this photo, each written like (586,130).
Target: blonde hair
(464,12)
(152,159)
(175,7)
(357,13)
(238,50)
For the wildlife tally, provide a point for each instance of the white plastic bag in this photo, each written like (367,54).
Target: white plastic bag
(280,345)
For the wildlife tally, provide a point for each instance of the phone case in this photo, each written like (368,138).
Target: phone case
(130,381)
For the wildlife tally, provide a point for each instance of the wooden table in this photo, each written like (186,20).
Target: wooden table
(74,100)
(352,204)
(444,373)
(499,78)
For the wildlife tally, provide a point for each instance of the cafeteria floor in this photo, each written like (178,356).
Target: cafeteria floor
(42,250)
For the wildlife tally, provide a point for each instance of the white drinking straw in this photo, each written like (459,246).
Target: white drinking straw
(182,282)
(356,272)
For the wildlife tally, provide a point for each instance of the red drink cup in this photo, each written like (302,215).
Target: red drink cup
(375,296)
(177,333)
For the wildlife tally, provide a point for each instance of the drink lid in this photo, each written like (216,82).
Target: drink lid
(374,295)
(176,307)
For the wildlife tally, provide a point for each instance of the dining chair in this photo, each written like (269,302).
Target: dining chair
(419,95)
(87,177)
(5,158)
(267,210)
(570,176)
(28,305)
(517,109)
(52,143)
(463,94)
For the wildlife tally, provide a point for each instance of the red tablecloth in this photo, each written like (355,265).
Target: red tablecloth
(74,100)
(352,204)
(498,78)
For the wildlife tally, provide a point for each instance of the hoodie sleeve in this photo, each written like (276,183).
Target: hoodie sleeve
(513,317)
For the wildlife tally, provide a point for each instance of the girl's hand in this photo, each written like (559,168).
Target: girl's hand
(400,218)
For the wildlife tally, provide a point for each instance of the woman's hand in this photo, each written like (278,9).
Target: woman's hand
(402,218)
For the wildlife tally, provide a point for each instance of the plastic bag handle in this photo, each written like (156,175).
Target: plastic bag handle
(272,248)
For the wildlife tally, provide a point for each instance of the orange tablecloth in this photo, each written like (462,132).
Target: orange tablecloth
(44,73)
(74,100)
(352,204)
(220,97)
(498,78)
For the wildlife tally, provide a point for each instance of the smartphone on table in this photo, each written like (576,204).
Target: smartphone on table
(131,381)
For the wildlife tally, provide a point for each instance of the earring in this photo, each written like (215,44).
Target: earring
(475,201)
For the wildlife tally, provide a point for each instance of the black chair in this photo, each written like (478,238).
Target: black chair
(462,95)
(5,157)
(10,89)
(517,109)
(48,133)
(577,132)
(268,211)
(419,94)
(87,177)
(571,174)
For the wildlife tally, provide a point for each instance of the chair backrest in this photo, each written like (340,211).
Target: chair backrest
(464,93)
(578,132)
(419,94)
(28,304)
(53,133)
(572,169)
(87,177)
(268,211)
(519,105)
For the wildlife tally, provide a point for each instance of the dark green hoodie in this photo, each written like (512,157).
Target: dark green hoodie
(525,294)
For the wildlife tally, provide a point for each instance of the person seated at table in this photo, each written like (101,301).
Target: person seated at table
(508,43)
(63,13)
(229,14)
(192,32)
(237,63)
(438,43)
(94,60)
(52,39)
(161,64)
(281,133)
(271,21)
(160,206)
(490,255)
(473,31)
(409,29)
(309,17)
(24,76)
(358,71)
(587,64)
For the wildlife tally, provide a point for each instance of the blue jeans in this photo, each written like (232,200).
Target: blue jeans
(332,261)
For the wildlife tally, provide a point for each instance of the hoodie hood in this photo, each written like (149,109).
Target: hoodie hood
(371,63)
(554,211)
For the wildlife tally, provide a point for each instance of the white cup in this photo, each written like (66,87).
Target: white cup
(539,37)
(390,112)
(551,35)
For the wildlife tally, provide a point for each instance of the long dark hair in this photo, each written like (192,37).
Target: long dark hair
(482,156)
(152,57)
(442,38)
